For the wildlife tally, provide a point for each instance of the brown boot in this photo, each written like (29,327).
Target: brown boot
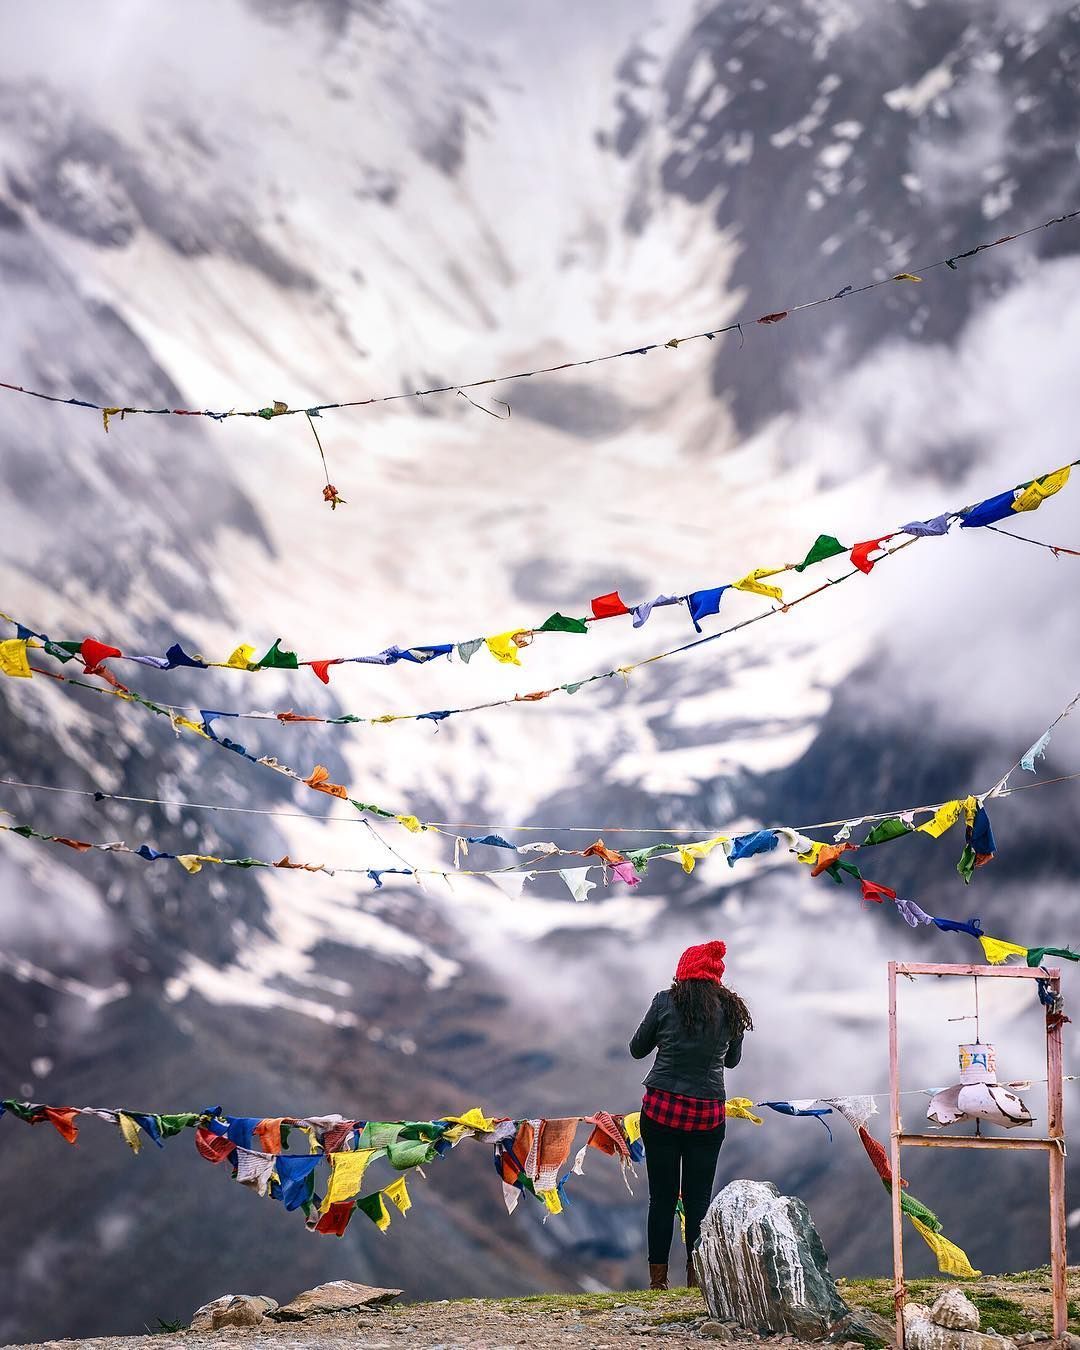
(691,1274)
(658,1276)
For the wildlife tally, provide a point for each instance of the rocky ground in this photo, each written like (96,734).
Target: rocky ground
(1016,1306)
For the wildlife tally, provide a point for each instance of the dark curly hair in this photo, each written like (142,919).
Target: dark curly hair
(700,1003)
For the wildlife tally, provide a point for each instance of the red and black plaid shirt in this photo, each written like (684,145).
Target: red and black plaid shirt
(682,1113)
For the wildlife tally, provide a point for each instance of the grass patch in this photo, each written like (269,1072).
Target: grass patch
(1005,1315)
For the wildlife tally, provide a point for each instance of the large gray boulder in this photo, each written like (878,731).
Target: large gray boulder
(761,1263)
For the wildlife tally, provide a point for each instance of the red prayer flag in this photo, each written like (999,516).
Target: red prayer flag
(607,606)
(860,554)
(774,318)
(94,652)
(76,844)
(214,1147)
(336,1219)
(63,1117)
(872,891)
(321,669)
(875,1151)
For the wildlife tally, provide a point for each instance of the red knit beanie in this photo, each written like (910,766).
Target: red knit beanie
(705,962)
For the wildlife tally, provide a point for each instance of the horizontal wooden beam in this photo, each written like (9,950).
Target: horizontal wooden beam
(973,1141)
(1013,972)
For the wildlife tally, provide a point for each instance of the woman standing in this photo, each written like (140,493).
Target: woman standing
(696,1028)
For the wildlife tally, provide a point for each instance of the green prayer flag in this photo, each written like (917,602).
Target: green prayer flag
(170,1125)
(966,865)
(63,651)
(915,1209)
(427,1130)
(572,688)
(824,546)
(24,1110)
(559,623)
(885,830)
(244,862)
(378,1134)
(276,659)
(375,1208)
(1036,955)
(406,1153)
(26,831)
(640,856)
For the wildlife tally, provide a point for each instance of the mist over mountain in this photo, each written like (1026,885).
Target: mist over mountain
(219,205)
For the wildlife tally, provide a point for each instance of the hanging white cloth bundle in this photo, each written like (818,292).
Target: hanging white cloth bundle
(978,1095)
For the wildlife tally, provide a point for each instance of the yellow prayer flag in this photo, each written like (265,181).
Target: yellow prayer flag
(13,658)
(944,818)
(906,276)
(690,853)
(241,658)
(969,806)
(346,1174)
(951,1259)
(632,1126)
(752,582)
(1036,493)
(739,1108)
(178,722)
(410,822)
(503,647)
(473,1119)
(810,857)
(998,951)
(553,1201)
(192,862)
(398,1193)
(390,717)
(130,1130)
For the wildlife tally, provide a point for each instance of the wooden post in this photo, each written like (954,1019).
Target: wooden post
(1056,1132)
(899,1292)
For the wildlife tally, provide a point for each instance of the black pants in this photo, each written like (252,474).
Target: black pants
(678,1161)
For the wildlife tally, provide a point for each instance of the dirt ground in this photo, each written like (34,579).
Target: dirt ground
(542,1322)
(1010,1304)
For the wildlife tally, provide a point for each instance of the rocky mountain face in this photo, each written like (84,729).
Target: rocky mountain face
(232,204)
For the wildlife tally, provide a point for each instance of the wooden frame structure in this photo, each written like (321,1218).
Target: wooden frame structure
(1053,1144)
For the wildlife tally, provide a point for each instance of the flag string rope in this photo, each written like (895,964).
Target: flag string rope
(505,647)
(281,409)
(99,795)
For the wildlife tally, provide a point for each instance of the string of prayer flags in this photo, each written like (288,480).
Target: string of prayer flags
(951,1259)
(279,408)
(505,645)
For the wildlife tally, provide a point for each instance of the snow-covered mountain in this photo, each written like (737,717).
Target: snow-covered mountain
(222,205)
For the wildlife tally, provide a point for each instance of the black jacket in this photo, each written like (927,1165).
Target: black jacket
(691,1065)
